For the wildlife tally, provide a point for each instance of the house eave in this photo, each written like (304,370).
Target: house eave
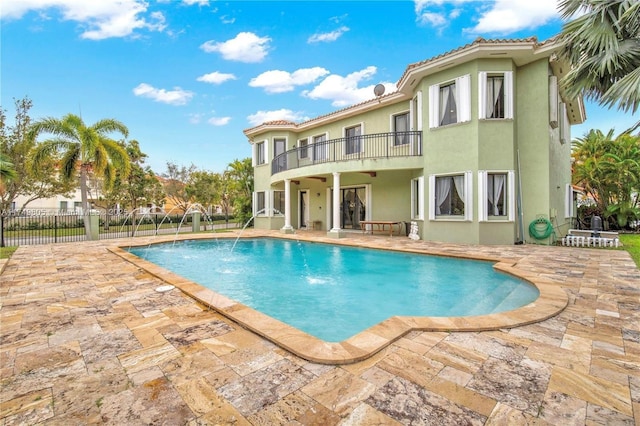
(353,110)
(521,52)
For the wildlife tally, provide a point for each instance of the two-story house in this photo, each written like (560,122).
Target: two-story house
(473,146)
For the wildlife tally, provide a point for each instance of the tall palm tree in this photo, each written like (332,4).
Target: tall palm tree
(84,149)
(602,44)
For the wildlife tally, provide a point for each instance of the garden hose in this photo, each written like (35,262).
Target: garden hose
(541,229)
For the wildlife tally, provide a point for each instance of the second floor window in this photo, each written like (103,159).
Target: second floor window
(495,96)
(279,145)
(320,148)
(495,99)
(260,157)
(353,140)
(303,149)
(448,105)
(400,126)
(450,102)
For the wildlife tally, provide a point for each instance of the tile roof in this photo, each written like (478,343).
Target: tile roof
(477,42)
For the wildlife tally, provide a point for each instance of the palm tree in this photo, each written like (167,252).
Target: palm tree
(7,171)
(602,46)
(84,149)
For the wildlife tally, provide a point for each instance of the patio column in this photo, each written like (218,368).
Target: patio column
(287,228)
(335,231)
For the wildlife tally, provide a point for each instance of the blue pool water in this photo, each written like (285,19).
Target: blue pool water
(333,292)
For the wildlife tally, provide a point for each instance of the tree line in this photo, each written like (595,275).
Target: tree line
(107,171)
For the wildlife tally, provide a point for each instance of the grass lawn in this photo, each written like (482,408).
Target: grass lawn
(6,252)
(631,243)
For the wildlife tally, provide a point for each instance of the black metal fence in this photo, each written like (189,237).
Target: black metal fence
(41,226)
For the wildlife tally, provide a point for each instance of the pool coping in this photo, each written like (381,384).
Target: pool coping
(551,301)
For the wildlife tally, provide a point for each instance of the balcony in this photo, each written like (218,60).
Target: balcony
(376,145)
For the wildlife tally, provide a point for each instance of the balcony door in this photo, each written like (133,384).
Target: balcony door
(352,207)
(304,209)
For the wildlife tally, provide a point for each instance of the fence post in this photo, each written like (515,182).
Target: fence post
(94,223)
(195,221)
(55,228)
(1,230)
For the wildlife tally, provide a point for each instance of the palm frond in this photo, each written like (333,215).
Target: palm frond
(109,125)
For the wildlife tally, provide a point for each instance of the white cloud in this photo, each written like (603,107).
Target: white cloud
(327,37)
(177,96)
(219,121)
(216,77)
(492,16)
(101,19)
(245,47)
(280,114)
(506,16)
(344,91)
(433,19)
(276,81)
(198,2)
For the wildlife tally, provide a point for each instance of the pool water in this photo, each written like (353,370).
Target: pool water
(334,292)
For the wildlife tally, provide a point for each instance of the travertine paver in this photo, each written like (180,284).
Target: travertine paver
(86,339)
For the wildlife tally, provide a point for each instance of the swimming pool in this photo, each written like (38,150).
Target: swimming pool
(333,292)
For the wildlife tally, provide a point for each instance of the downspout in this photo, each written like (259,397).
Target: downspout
(520,235)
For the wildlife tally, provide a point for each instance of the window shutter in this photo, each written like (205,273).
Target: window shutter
(268,201)
(266,151)
(254,203)
(463,87)
(553,101)
(482,195)
(434,105)
(482,95)
(468,195)
(508,94)
(254,155)
(432,197)
(511,187)
(419,112)
(421,197)
(568,201)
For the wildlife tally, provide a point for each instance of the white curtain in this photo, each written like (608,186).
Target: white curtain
(443,187)
(493,95)
(494,189)
(459,184)
(444,101)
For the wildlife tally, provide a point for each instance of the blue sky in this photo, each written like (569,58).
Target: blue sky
(188,76)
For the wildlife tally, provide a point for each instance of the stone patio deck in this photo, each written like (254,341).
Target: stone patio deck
(86,339)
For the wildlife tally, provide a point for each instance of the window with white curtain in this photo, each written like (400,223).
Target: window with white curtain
(417,198)
(450,102)
(496,199)
(495,95)
(451,196)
